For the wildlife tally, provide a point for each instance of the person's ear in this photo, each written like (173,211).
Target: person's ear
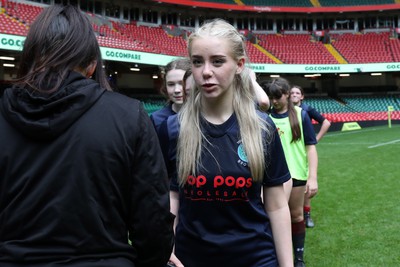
(240,65)
(91,68)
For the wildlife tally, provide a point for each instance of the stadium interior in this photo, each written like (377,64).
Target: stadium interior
(325,35)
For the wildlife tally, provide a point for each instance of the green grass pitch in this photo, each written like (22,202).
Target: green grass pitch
(357,209)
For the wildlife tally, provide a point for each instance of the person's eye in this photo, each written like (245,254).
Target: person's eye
(196,62)
(218,61)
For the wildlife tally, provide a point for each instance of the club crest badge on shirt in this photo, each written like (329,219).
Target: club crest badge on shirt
(242,155)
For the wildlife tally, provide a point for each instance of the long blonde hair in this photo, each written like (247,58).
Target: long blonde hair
(191,138)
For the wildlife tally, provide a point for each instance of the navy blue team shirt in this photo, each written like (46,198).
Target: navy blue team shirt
(222,220)
(313,113)
(161,115)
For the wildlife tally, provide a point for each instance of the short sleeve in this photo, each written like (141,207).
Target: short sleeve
(315,115)
(308,130)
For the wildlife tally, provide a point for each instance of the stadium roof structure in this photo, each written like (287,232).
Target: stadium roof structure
(282,9)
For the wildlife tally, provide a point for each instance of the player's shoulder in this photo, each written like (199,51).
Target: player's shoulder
(305,106)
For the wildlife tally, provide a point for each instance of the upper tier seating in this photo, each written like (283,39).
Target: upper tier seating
(394,47)
(16,17)
(230,2)
(24,13)
(10,25)
(354,2)
(157,38)
(290,3)
(296,49)
(256,56)
(364,48)
(302,3)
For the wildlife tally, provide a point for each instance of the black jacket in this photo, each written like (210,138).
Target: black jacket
(79,169)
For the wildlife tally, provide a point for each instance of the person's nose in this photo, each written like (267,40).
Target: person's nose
(207,70)
(177,88)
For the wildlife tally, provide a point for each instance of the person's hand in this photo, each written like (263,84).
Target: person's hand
(311,188)
(175,261)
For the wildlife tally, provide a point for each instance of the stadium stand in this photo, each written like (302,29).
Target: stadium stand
(364,47)
(394,47)
(371,103)
(327,105)
(257,56)
(302,3)
(292,3)
(354,2)
(296,49)
(287,48)
(21,12)
(156,37)
(356,108)
(230,2)
(151,105)
(10,25)
(370,47)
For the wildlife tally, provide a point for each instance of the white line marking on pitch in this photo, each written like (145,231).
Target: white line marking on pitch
(384,144)
(350,132)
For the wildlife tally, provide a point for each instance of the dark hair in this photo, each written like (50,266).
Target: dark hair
(184,81)
(186,75)
(177,64)
(298,87)
(275,88)
(60,40)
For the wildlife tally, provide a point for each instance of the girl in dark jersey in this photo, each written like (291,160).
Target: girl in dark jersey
(226,163)
(80,172)
(297,97)
(172,89)
(298,140)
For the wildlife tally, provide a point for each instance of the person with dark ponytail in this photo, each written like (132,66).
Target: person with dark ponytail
(298,140)
(81,175)
(297,97)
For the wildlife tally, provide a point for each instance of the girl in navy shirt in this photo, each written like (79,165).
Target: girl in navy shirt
(172,89)
(226,163)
